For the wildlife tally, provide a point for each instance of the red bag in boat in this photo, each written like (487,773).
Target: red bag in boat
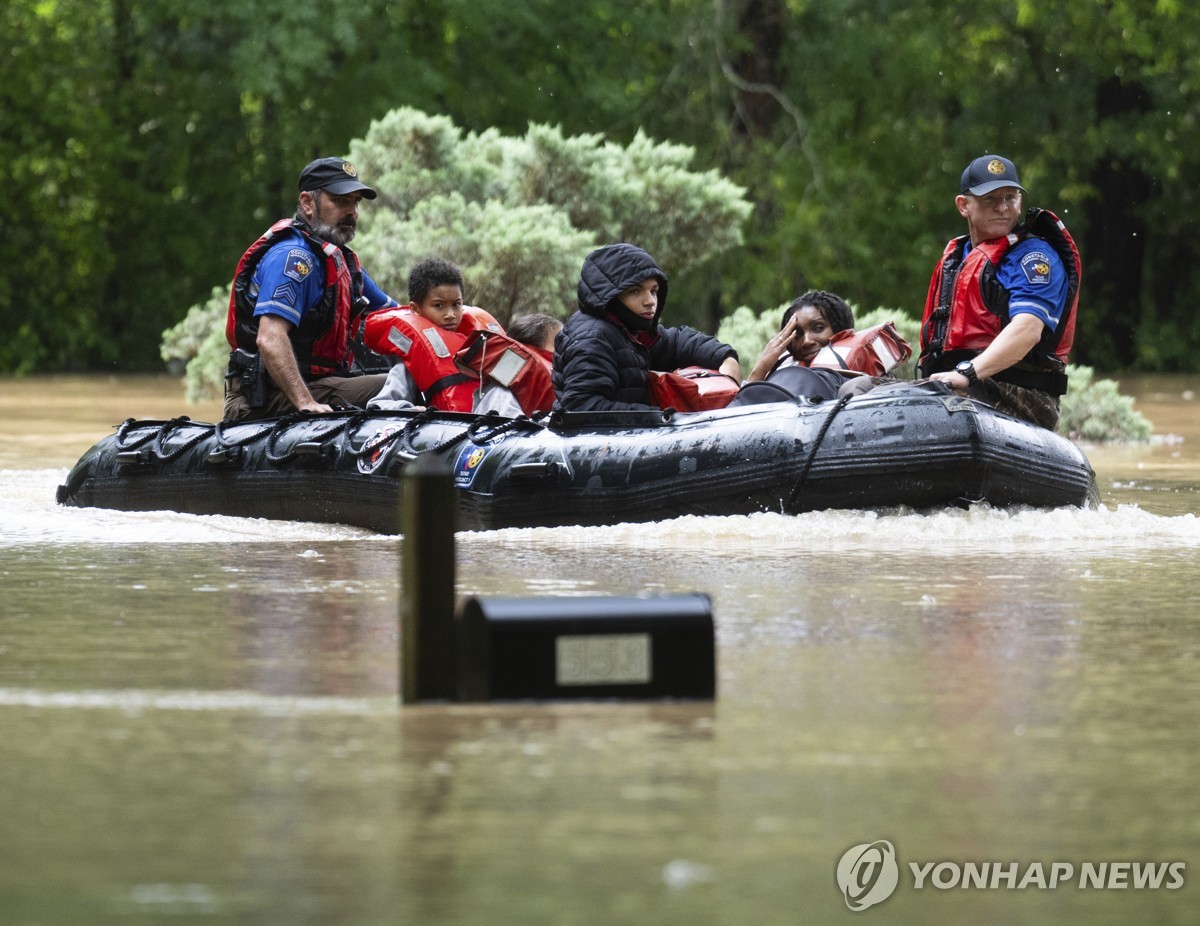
(873,351)
(692,389)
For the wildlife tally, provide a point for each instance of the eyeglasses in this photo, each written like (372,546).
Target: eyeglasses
(995,200)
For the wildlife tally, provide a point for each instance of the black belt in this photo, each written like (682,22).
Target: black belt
(1053,382)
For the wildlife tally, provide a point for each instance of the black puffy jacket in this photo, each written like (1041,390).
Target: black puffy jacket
(599,363)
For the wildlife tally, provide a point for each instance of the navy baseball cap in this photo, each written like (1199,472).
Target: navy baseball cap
(335,175)
(988,173)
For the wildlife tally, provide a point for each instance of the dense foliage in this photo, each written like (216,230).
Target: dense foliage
(146,142)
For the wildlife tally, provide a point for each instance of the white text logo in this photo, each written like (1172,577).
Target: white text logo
(868,874)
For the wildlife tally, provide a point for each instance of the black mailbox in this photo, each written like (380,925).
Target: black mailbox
(588,648)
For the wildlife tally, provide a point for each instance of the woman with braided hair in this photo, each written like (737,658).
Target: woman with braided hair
(809,324)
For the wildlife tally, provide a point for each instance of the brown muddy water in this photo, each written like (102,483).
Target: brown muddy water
(199,715)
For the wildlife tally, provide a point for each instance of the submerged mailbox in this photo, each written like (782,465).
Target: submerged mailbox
(590,648)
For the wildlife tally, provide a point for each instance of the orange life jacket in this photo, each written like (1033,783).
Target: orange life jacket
(428,351)
(873,351)
(521,368)
(692,389)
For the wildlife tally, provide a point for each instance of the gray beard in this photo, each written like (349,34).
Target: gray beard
(334,234)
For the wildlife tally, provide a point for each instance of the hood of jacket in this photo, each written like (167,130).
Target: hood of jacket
(609,271)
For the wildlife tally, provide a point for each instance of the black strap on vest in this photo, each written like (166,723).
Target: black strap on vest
(451,379)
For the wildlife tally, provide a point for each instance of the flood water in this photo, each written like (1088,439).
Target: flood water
(200,721)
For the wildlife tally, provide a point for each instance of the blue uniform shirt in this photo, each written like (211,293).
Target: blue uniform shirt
(1033,274)
(290,279)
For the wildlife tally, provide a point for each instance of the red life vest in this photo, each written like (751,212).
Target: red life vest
(692,389)
(873,351)
(428,351)
(966,307)
(321,340)
(521,368)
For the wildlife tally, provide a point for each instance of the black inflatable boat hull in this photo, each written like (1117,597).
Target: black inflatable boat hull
(911,446)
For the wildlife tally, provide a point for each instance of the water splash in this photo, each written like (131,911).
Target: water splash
(138,701)
(29,515)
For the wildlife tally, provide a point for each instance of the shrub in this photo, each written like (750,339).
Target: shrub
(199,342)
(1093,410)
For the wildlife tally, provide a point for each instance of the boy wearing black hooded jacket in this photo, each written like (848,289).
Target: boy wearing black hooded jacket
(604,353)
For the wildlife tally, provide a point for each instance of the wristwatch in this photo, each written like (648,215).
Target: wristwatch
(967,369)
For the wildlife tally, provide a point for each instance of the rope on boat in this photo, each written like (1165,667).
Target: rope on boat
(474,432)
(790,507)
(375,444)
(414,424)
(284,423)
(166,456)
(501,427)
(123,434)
(159,437)
(223,444)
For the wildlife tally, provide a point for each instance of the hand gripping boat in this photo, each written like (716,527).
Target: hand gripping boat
(906,445)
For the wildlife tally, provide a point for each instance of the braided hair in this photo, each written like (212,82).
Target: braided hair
(831,305)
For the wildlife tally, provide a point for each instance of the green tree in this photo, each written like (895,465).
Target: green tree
(51,206)
(146,142)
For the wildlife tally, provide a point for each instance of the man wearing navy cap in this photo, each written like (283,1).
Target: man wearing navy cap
(299,295)
(999,317)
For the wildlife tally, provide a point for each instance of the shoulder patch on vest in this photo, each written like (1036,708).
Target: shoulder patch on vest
(1036,267)
(299,264)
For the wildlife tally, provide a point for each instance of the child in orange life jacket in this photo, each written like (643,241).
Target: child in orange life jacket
(426,334)
(537,332)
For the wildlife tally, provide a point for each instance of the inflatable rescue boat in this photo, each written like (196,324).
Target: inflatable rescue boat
(905,445)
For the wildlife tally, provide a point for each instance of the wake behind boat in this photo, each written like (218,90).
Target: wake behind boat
(907,445)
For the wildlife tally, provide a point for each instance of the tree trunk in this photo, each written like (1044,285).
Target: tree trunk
(757,63)
(1113,248)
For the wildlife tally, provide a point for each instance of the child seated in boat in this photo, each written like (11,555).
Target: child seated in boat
(606,350)
(458,358)
(817,351)
(425,335)
(513,372)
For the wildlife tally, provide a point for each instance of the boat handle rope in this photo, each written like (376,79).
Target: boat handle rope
(319,441)
(381,440)
(502,427)
(123,433)
(790,507)
(472,432)
(169,428)
(375,444)
(410,431)
(223,444)
(159,436)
